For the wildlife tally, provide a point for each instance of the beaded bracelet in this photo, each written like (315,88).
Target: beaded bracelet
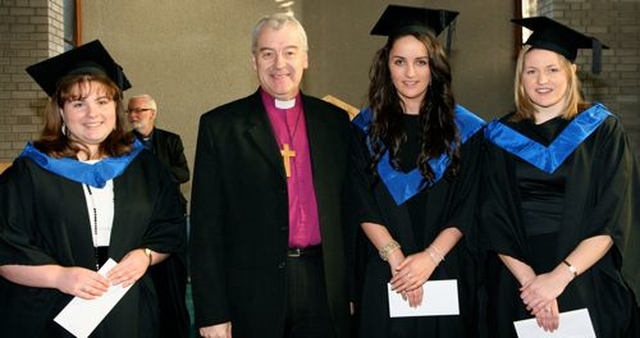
(436,257)
(388,249)
(435,248)
(433,257)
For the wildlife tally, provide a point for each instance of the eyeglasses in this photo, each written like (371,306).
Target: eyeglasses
(138,110)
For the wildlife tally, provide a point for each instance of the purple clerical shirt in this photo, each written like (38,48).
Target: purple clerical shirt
(289,127)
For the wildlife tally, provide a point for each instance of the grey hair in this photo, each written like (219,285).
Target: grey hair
(148,98)
(276,22)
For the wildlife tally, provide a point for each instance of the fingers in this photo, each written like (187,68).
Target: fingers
(540,306)
(415,297)
(534,302)
(125,278)
(100,282)
(82,282)
(539,321)
(412,272)
(555,320)
(402,264)
(548,320)
(94,286)
(400,276)
(88,292)
(413,282)
(548,317)
(405,282)
(131,268)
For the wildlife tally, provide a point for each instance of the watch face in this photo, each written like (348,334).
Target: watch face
(147,252)
(571,268)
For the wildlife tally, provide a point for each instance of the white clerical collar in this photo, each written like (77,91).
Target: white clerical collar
(288,104)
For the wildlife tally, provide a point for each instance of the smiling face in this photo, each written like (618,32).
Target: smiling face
(545,80)
(410,72)
(89,114)
(280,60)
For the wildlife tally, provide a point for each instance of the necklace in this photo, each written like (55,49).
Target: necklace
(101,208)
(95,227)
(286,152)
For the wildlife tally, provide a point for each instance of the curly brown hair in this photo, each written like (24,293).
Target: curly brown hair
(438,130)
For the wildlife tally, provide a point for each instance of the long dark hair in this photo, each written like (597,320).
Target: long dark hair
(438,131)
(55,143)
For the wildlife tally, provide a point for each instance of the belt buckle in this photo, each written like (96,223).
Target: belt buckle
(295,252)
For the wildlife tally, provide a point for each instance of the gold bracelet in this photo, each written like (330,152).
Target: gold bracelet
(571,268)
(388,249)
(147,252)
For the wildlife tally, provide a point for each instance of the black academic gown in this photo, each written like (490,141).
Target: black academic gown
(601,196)
(44,220)
(171,275)
(240,218)
(445,204)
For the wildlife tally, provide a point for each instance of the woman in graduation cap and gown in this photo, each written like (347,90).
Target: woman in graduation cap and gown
(562,201)
(82,193)
(414,179)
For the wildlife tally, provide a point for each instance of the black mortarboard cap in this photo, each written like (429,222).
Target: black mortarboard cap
(552,35)
(90,58)
(404,19)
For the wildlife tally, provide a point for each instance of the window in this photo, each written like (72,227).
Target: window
(523,9)
(529,8)
(71,12)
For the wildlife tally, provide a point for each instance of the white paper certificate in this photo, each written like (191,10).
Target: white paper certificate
(81,316)
(573,324)
(440,298)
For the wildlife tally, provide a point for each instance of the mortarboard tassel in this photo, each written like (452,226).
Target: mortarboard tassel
(596,65)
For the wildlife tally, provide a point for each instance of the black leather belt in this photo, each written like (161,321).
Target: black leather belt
(307,251)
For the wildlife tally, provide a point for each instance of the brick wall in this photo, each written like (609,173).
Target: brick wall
(30,31)
(614,23)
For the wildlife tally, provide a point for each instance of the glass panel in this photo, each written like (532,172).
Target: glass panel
(529,8)
(69,9)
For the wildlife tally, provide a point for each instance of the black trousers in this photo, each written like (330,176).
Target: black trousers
(307,312)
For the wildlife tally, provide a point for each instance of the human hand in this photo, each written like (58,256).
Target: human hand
(82,282)
(413,272)
(131,268)
(216,331)
(394,259)
(414,297)
(549,318)
(538,293)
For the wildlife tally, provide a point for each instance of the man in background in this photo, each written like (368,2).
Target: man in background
(170,276)
(167,146)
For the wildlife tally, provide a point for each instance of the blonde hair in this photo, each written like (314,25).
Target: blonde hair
(525,109)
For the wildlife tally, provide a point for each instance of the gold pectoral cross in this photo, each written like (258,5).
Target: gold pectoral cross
(287,154)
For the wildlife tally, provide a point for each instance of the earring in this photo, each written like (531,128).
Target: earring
(64,129)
